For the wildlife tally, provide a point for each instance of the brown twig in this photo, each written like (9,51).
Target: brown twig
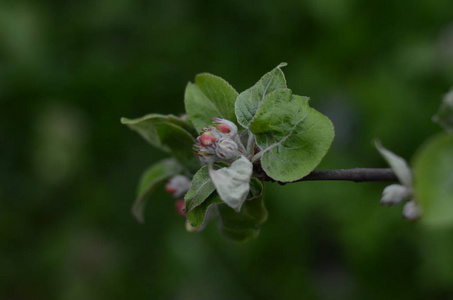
(356,175)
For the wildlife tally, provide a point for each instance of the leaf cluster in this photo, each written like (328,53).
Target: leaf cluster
(285,139)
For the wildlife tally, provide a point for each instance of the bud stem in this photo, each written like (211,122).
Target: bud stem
(250,144)
(257,156)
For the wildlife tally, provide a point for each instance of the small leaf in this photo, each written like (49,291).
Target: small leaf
(200,189)
(150,179)
(256,189)
(166,133)
(233,183)
(444,116)
(182,122)
(398,165)
(209,97)
(198,216)
(433,169)
(293,137)
(249,101)
(244,225)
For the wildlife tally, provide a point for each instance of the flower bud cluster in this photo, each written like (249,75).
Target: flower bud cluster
(218,143)
(178,186)
(395,194)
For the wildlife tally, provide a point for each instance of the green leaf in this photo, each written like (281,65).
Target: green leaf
(444,116)
(210,96)
(398,165)
(166,133)
(293,137)
(201,188)
(244,225)
(239,226)
(256,189)
(233,183)
(150,179)
(198,215)
(250,100)
(433,169)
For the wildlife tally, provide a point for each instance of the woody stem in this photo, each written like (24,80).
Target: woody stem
(356,175)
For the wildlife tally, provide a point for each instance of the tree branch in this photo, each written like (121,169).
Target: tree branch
(356,175)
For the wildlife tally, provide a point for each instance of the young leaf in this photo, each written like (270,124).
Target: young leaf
(201,188)
(293,137)
(210,96)
(150,179)
(233,183)
(181,122)
(249,101)
(433,170)
(166,133)
(444,116)
(243,226)
(198,216)
(256,189)
(398,165)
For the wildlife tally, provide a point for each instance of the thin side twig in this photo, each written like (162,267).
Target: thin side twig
(356,175)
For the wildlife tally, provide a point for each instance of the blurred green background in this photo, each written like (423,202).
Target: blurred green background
(68,169)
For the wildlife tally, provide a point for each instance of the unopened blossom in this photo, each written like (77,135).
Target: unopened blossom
(207,139)
(394,194)
(178,185)
(397,193)
(179,205)
(206,153)
(218,142)
(226,127)
(227,149)
(411,210)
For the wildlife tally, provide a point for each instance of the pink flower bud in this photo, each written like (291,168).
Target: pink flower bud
(227,149)
(170,190)
(206,139)
(223,128)
(226,127)
(213,131)
(178,185)
(218,143)
(179,205)
(205,154)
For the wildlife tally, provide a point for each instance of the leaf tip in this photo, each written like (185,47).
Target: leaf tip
(137,213)
(377,143)
(124,120)
(282,64)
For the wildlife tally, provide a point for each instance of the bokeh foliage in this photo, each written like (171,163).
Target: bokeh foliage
(70,69)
